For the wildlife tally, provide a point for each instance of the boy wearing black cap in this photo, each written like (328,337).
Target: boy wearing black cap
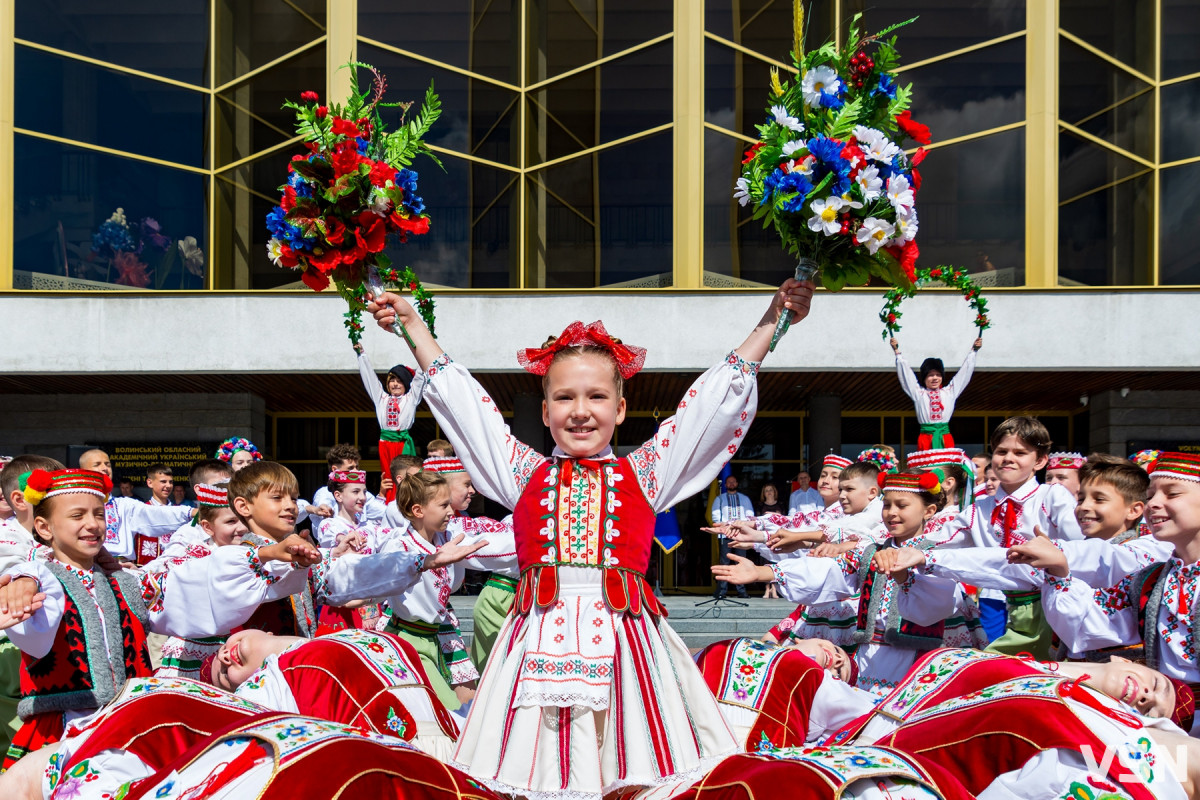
(934,401)
(396,401)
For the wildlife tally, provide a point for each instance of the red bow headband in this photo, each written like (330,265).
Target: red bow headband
(630,360)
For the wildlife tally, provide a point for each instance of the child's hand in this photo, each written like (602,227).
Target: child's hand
(794,296)
(978,343)
(19,600)
(358,348)
(386,484)
(388,307)
(320,511)
(453,551)
(1040,552)
(896,345)
(897,561)
(740,571)
(350,543)
(294,550)
(785,541)
(830,550)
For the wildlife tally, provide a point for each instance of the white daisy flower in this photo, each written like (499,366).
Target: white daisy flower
(781,117)
(741,191)
(818,81)
(791,147)
(874,233)
(825,215)
(900,194)
(275,251)
(906,226)
(869,182)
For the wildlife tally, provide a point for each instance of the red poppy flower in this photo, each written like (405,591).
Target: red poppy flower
(344,159)
(381,173)
(371,232)
(344,127)
(315,280)
(327,260)
(335,231)
(907,256)
(914,130)
(752,152)
(308,97)
(322,112)
(414,225)
(916,180)
(288,201)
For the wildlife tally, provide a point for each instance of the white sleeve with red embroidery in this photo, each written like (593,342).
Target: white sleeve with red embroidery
(210,596)
(1099,563)
(817,580)
(379,397)
(907,380)
(1089,619)
(1058,505)
(500,464)
(148,520)
(35,636)
(689,449)
(500,553)
(364,577)
(985,567)
(926,600)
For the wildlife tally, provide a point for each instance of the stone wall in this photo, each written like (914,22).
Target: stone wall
(1169,418)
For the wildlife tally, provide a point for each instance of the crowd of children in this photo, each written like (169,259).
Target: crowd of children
(962,629)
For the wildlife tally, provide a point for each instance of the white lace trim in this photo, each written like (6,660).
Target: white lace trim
(533,698)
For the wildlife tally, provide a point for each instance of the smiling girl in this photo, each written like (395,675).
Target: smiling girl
(591,688)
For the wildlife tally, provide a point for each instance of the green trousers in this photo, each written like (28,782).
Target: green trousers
(1027,630)
(491,609)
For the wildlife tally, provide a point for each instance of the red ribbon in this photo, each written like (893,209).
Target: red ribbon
(630,360)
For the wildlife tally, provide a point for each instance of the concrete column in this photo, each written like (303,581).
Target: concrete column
(526,423)
(824,426)
(1158,419)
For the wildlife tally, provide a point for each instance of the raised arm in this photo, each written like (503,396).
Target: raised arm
(370,380)
(963,376)
(908,381)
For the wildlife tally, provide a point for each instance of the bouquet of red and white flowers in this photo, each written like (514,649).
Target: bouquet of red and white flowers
(349,193)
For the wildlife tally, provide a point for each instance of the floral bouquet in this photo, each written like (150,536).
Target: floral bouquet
(828,171)
(139,254)
(349,192)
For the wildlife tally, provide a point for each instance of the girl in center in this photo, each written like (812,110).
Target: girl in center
(588,690)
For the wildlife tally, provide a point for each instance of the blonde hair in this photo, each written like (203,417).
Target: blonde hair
(417,490)
(581,350)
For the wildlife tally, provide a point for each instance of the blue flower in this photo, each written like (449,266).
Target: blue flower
(886,86)
(362,143)
(406,179)
(833,101)
(297,182)
(771,185)
(828,153)
(795,182)
(276,222)
(112,236)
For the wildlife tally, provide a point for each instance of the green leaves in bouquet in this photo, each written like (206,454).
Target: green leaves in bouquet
(406,142)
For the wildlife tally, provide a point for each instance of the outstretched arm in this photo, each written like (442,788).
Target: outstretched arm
(388,308)
(794,296)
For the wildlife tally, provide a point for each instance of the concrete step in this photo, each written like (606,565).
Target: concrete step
(696,619)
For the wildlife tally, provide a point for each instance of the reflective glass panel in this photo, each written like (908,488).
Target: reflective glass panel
(1179,260)
(75,100)
(1105,238)
(250,115)
(766,27)
(735,88)
(972,208)
(245,194)
(565,34)
(1180,119)
(478,118)
(472,239)
(1180,27)
(973,92)
(167,39)
(64,198)
(482,37)
(1084,167)
(603,219)
(1104,100)
(1122,28)
(251,33)
(737,249)
(941,25)
(622,97)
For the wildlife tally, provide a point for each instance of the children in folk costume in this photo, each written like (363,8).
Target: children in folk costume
(1010,727)
(1064,468)
(898,616)
(127,520)
(215,525)
(349,490)
(396,401)
(342,458)
(1020,446)
(933,398)
(82,631)
(369,679)
(1157,606)
(238,452)
(586,664)
(421,613)
(495,600)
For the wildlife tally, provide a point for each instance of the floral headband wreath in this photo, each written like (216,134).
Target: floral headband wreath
(348,476)
(630,359)
(234,444)
(880,458)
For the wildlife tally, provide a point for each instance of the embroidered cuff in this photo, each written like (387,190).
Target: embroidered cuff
(1058,584)
(780,578)
(741,365)
(908,582)
(256,566)
(439,364)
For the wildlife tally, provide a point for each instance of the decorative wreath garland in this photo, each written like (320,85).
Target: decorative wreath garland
(953,277)
(396,280)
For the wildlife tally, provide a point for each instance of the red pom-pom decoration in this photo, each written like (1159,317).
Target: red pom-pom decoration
(881,479)
(39,480)
(929,482)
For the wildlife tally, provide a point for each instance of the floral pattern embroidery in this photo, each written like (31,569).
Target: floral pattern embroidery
(256,566)
(741,365)
(748,666)
(849,763)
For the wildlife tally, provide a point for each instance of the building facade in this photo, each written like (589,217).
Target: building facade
(589,151)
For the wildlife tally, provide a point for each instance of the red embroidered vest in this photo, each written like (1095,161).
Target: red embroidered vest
(779,683)
(585,513)
(78,673)
(366,664)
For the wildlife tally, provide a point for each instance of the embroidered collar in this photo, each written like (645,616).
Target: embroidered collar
(1019,497)
(1185,570)
(86,576)
(604,455)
